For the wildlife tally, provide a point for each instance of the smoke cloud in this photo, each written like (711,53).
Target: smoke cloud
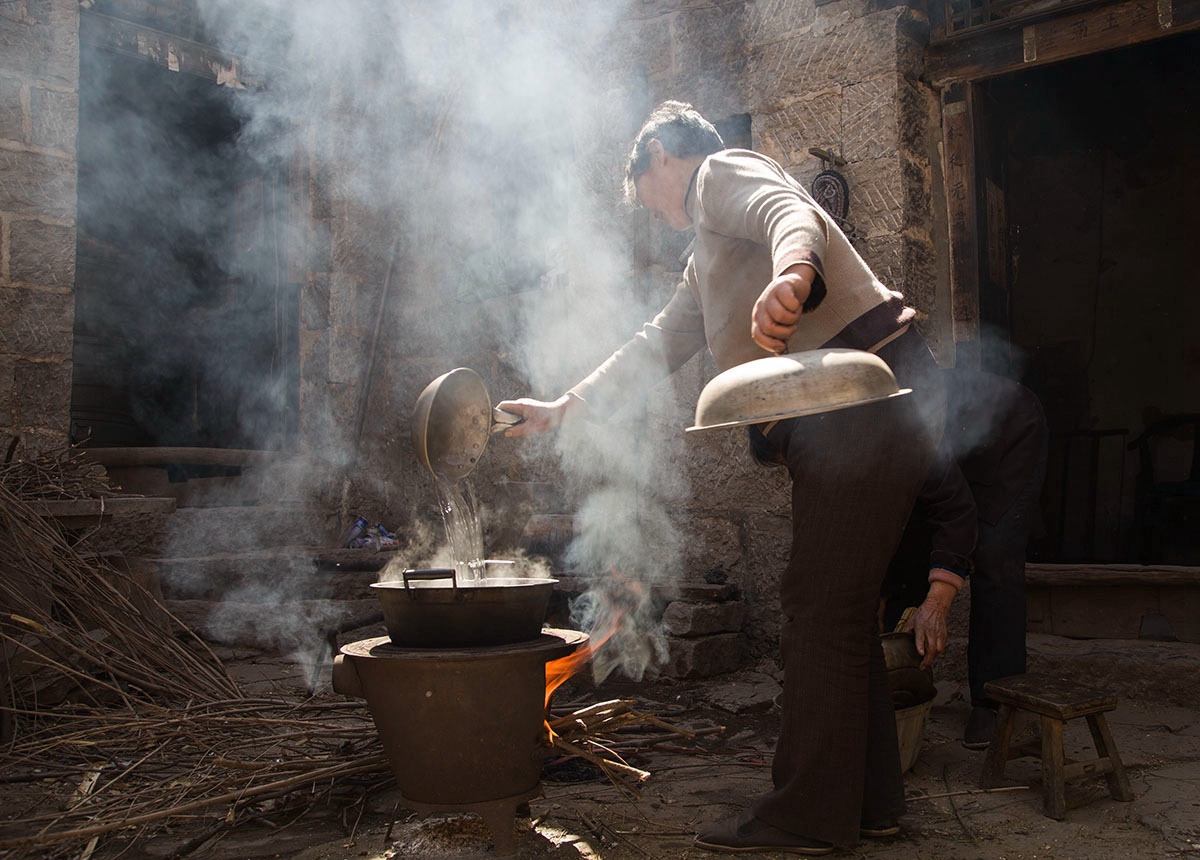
(488,133)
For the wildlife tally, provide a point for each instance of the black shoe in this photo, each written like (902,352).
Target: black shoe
(879,829)
(744,832)
(981,728)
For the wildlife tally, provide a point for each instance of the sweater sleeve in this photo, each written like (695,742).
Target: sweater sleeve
(744,196)
(950,515)
(661,347)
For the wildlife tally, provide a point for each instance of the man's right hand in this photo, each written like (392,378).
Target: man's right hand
(539,416)
(777,311)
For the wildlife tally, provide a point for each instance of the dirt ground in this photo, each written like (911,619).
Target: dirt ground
(695,782)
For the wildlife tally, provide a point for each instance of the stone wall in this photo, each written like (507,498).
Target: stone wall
(39,78)
(843,76)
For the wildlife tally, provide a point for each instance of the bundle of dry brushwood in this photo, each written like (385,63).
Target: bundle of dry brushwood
(116,721)
(119,721)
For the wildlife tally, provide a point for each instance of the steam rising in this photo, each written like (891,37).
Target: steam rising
(480,138)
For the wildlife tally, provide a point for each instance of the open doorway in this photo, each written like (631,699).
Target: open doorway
(1089,170)
(186,330)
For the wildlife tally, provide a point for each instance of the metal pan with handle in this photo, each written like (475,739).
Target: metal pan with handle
(452,422)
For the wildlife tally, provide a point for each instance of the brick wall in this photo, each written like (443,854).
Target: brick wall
(39,79)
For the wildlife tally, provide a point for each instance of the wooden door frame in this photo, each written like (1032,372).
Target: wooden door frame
(955,64)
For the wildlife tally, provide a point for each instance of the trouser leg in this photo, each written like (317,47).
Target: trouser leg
(853,484)
(996,639)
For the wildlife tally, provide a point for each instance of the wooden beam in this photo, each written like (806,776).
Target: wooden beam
(1000,49)
(1109,575)
(172,52)
(958,159)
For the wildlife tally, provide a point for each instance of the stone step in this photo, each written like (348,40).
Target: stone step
(233,528)
(263,576)
(295,628)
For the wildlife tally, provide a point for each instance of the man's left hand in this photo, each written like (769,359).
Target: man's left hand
(928,623)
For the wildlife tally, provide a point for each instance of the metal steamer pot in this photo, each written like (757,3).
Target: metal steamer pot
(433,608)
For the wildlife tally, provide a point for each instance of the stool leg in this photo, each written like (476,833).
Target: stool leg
(1118,782)
(1053,777)
(996,756)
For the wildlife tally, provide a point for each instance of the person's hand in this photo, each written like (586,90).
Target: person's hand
(928,623)
(778,309)
(539,416)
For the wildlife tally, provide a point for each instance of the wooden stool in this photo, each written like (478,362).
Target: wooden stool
(1056,700)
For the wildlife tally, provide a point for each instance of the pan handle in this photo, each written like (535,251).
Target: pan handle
(502,420)
(433,573)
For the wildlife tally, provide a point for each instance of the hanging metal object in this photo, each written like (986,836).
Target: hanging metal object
(830,189)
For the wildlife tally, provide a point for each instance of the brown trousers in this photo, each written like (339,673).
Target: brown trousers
(855,476)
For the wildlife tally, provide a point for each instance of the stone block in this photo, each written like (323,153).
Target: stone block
(43,44)
(832,53)
(876,195)
(42,254)
(703,657)
(33,185)
(14,10)
(869,119)
(885,255)
(12,110)
(765,23)
(7,390)
(55,118)
(706,39)
(38,324)
(711,542)
(787,132)
(685,619)
(314,304)
(41,441)
(42,395)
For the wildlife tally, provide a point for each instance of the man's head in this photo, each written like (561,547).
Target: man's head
(675,130)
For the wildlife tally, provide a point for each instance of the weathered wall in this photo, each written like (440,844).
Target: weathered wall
(387,300)
(39,79)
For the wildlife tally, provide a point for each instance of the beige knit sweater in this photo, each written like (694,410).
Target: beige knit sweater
(752,222)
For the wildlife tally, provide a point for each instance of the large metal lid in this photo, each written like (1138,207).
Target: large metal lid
(788,386)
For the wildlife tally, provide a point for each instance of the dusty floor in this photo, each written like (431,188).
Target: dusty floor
(699,781)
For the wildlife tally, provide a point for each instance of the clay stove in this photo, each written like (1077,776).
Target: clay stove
(461,727)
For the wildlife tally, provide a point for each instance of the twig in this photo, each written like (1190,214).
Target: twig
(967,791)
(86,832)
(619,767)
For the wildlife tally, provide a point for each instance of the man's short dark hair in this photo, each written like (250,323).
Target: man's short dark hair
(681,130)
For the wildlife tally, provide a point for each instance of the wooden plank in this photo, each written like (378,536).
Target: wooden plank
(998,50)
(173,52)
(129,457)
(1054,696)
(958,158)
(111,506)
(1108,575)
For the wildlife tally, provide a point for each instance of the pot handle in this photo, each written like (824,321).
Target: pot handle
(434,573)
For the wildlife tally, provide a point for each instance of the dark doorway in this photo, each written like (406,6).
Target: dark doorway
(1089,173)
(185,329)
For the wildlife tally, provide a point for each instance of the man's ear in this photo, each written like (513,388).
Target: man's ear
(655,148)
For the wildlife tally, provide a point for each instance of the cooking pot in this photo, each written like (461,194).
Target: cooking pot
(788,386)
(451,423)
(433,608)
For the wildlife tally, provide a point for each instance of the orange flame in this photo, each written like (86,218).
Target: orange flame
(630,594)
(558,671)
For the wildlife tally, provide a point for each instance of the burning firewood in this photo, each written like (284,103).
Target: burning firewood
(578,733)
